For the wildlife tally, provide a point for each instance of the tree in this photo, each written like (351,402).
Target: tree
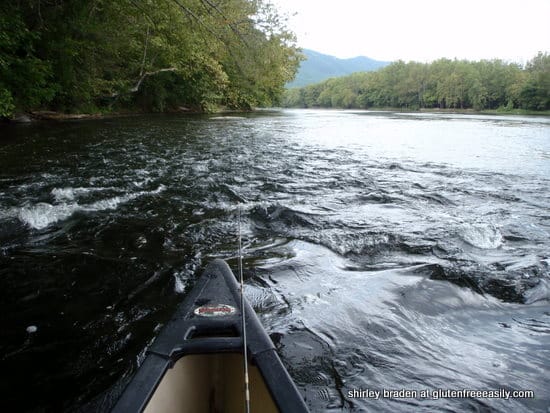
(25,78)
(444,83)
(72,55)
(536,90)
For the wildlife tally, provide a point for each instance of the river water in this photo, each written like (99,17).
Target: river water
(383,251)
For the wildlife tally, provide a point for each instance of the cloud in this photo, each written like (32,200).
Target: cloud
(422,30)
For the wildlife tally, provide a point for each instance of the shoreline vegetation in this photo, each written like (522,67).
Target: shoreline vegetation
(471,111)
(486,85)
(65,58)
(59,116)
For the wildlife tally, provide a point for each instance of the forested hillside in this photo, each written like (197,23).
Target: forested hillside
(152,55)
(454,84)
(317,67)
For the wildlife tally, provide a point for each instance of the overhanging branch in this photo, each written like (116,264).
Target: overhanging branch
(147,74)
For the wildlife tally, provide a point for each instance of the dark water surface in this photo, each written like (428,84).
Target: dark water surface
(383,251)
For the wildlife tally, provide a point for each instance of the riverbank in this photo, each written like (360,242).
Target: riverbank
(45,115)
(497,112)
(48,115)
(521,112)
(30,117)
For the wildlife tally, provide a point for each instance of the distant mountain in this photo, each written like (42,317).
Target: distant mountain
(318,67)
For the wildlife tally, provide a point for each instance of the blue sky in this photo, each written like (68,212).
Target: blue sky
(421,30)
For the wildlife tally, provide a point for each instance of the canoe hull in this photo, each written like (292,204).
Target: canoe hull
(196,362)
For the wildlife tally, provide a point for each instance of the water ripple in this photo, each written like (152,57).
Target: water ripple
(381,250)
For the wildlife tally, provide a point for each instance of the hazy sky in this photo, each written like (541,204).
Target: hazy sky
(422,30)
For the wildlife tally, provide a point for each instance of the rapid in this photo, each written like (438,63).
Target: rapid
(382,251)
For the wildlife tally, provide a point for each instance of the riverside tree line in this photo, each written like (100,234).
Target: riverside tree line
(445,84)
(151,55)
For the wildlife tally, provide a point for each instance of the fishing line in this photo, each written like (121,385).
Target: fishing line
(245,358)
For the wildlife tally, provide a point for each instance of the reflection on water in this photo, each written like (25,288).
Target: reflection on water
(383,251)
(343,329)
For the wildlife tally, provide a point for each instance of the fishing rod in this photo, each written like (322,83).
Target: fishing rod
(245,358)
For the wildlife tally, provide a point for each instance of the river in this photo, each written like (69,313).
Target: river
(383,251)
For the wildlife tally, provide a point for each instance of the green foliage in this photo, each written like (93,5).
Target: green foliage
(444,83)
(25,78)
(535,94)
(6,104)
(155,55)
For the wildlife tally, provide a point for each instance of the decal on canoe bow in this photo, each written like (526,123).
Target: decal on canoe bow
(215,310)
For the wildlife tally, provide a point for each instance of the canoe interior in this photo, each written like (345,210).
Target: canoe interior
(210,383)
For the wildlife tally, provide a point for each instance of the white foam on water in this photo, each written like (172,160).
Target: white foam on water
(69,194)
(179,286)
(32,329)
(160,189)
(42,214)
(63,194)
(484,236)
(541,292)
(227,117)
(109,203)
